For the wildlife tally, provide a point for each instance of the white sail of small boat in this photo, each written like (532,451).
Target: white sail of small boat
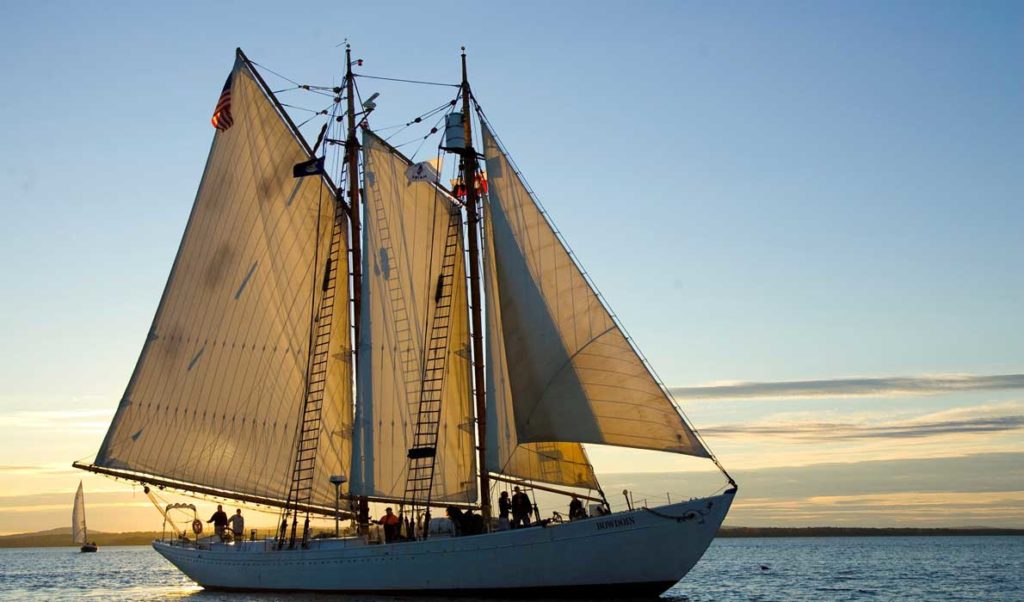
(79,532)
(481,354)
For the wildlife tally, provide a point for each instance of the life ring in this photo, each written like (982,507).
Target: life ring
(197,526)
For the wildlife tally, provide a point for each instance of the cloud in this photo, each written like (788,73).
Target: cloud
(64,421)
(853,387)
(968,490)
(64,468)
(828,431)
(957,421)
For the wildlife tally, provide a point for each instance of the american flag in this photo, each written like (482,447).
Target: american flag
(222,119)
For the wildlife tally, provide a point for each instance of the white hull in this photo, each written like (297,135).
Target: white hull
(627,553)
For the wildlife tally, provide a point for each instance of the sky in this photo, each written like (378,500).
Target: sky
(807,214)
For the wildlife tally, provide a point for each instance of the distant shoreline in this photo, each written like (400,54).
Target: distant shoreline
(55,538)
(864,531)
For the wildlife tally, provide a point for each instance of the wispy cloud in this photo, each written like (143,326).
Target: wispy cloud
(970,490)
(957,421)
(63,468)
(73,420)
(853,387)
(838,430)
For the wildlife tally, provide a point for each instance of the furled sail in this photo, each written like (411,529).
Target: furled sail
(405,233)
(572,374)
(216,396)
(559,463)
(78,532)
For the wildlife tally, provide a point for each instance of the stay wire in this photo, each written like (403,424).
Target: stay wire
(322,111)
(413,121)
(406,81)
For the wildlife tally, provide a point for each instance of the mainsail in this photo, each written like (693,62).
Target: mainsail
(572,375)
(78,532)
(406,227)
(216,396)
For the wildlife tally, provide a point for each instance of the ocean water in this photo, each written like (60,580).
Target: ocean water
(842,568)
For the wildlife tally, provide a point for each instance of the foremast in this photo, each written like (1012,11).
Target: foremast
(352,161)
(469,178)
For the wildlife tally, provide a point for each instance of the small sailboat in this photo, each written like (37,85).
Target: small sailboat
(79,532)
(389,339)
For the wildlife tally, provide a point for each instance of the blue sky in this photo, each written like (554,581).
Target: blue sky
(763,191)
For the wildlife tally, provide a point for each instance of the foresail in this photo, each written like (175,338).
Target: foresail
(78,517)
(216,395)
(406,226)
(559,463)
(572,374)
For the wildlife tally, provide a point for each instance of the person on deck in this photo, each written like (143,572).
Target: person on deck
(504,507)
(521,509)
(576,510)
(237,526)
(219,520)
(390,523)
(455,515)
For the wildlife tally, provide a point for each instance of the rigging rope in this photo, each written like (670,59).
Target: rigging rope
(688,515)
(406,81)
(309,88)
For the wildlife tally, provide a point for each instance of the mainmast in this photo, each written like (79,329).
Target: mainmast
(352,159)
(469,171)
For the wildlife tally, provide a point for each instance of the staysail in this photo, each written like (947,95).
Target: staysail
(559,463)
(216,395)
(572,375)
(78,532)
(406,227)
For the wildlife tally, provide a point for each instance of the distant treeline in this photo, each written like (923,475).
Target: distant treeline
(49,539)
(859,531)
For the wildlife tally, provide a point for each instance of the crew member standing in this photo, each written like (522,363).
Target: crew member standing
(237,526)
(219,520)
(521,509)
(576,510)
(390,523)
(504,507)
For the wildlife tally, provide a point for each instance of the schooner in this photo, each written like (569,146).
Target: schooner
(394,340)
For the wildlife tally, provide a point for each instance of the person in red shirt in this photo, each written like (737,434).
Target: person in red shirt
(390,522)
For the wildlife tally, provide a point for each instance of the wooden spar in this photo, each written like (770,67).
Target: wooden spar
(210,491)
(473,220)
(522,483)
(233,495)
(352,158)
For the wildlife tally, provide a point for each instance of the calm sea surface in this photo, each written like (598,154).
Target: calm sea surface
(850,568)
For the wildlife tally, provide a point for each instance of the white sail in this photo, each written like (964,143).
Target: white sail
(406,227)
(216,396)
(559,463)
(78,532)
(572,374)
